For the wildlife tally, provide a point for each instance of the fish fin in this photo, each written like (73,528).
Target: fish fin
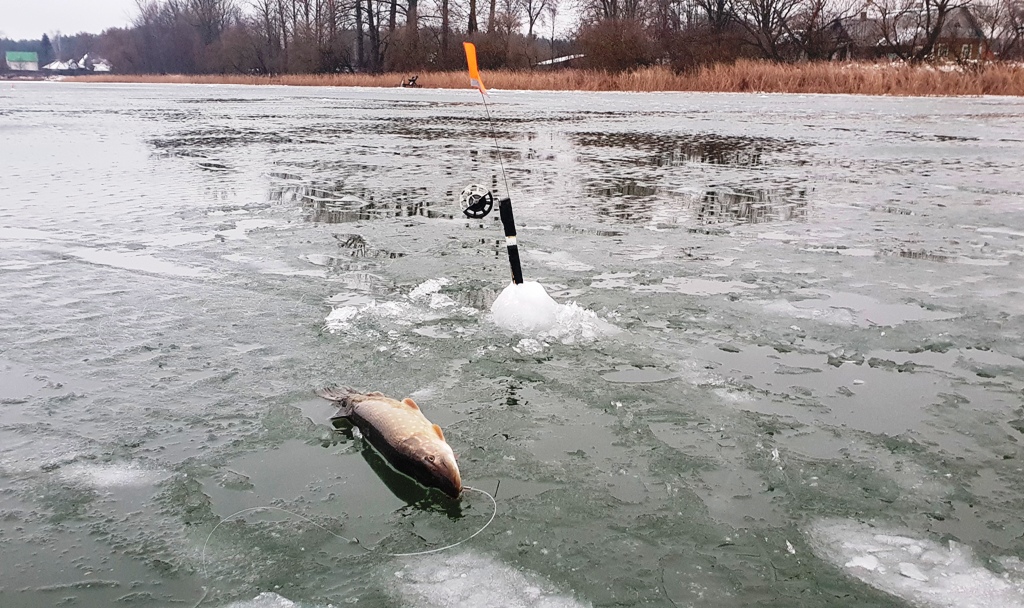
(376,394)
(437,430)
(410,403)
(343,413)
(336,393)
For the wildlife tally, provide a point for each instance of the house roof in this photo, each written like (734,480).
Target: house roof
(20,56)
(869,31)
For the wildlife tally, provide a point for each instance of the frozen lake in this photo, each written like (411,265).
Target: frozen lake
(789,372)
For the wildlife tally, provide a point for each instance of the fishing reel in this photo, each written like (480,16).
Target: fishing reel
(476,201)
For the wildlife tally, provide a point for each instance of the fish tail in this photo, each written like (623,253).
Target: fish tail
(340,395)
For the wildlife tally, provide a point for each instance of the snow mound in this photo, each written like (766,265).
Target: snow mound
(920,571)
(472,580)
(527,308)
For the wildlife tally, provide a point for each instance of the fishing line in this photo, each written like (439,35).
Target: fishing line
(202,558)
(497,149)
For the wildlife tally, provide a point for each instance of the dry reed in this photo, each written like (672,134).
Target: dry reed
(741,77)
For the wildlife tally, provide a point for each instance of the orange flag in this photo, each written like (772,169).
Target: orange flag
(474,73)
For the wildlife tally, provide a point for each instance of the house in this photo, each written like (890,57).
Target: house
(903,35)
(21,61)
(857,37)
(961,37)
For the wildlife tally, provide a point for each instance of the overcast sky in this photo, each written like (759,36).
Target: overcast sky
(32,18)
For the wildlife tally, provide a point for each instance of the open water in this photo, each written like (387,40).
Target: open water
(788,370)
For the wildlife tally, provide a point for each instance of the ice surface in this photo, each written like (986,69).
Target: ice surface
(560,259)
(473,580)
(135,261)
(918,570)
(850,309)
(528,309)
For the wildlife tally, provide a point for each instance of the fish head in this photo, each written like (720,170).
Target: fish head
(438,461)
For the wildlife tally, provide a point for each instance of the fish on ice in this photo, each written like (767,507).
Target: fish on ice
(402,434)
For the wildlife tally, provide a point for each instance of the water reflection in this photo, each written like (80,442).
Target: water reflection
(336,203)
(634,202)
(674,150)
(357,247)
(752,206)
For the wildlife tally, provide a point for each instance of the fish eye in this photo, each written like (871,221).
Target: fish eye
(430,458)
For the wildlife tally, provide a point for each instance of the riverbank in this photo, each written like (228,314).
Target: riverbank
(741,77)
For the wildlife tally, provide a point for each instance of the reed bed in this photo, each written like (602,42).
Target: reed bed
(741,77)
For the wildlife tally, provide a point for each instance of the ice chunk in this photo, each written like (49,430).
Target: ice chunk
(918,570)
(911,571)
(429,287)
(473,580)
(528,309)
(867,562)
(423,304)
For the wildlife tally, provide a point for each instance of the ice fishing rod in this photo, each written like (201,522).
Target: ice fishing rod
(478,201)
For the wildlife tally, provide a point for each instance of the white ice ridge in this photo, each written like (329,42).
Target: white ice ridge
(920,571)
(266,599)
(528,309)
(424,303)
(473,580)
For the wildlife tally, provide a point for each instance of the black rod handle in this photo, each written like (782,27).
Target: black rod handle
(509,224)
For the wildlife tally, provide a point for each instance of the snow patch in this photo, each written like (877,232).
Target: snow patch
(920,571)
(111,475)
(472,580)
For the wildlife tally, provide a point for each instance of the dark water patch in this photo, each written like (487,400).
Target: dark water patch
(674,150)
(918,254)
(625,187)
(206,100)
(570,229)
(954,138)
(893,210)
(213,166)
(751,206)
(924,255)
(627,200)
(225,137)
(474,128)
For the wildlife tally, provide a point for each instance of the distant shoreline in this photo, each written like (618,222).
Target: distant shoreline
(742,77)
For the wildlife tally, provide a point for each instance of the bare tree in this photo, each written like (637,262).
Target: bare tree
(809,27)
(766,22)
(1002,22)
(533,10)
